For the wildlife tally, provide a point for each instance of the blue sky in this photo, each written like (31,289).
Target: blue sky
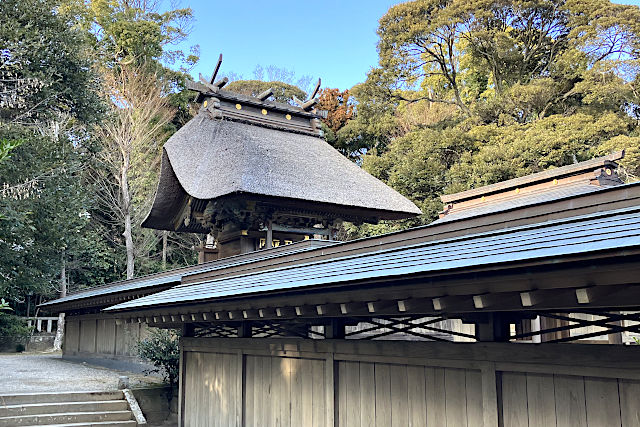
(332,39)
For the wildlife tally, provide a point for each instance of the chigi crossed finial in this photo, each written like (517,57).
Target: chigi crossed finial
(258,110)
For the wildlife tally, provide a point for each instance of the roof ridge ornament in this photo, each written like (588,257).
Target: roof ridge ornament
(256,110)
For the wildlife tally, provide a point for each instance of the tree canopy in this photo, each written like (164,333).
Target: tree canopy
(469,93)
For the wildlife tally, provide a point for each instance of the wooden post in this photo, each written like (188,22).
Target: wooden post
(269,240)
(245,330)
(330,389)
(240,380)
(334,330)
(181,383)
(494,328)
(489,395)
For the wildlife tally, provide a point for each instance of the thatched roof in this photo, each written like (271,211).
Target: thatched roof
(212,158)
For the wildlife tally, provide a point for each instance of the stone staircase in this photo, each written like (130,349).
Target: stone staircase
(66,409)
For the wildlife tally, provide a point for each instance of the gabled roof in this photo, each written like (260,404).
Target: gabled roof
(586,234)
(212,158)
(528,180)
(552,184)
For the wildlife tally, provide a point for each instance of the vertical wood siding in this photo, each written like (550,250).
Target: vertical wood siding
(544,400)
(211,385)
(236,389)
(102,337)
(105,336)
(88,335)
(284,391)
(389,395)
(71,336)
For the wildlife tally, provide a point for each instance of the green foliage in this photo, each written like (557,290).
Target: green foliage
(12,326)
(161,348)
(6,146)
(50,107)
(468,93)
(45,70)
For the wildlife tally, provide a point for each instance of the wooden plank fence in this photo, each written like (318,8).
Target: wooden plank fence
(243,382)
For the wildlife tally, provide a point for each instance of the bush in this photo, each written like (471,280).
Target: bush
(162,349)
(14,332)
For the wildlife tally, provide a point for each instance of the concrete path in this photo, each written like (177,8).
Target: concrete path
(24,373)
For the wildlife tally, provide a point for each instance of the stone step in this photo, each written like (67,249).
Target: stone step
(50,408)
(73,396)
(128,423)
(65,418)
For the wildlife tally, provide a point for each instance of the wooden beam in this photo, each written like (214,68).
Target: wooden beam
(287,312)
(529,299)
(220,83)
(415,305)
(250,314)
(328,310)
(216,69)
(305,311)
(480,301)
(353,308)
(308,105)
(267,313)
(235,315)
(266,94)
(316,89)
(382,307)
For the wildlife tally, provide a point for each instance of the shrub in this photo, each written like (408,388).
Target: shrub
(162,349)
(13,332)
(13,326)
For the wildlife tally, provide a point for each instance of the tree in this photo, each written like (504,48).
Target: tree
(469,93)
(132,140)
(49,99)
(338,107)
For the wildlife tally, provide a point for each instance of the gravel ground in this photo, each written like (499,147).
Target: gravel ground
(25,373)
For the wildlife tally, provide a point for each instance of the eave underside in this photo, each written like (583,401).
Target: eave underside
(599,282)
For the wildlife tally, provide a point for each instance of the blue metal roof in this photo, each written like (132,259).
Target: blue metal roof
(568,236)
(175,276)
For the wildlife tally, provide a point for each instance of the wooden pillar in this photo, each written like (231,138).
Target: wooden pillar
(495,327)
(240,381)
(181,383)
(489,395)
(330,389)
(187,329)
(334,330)
(245,330)
(269,239)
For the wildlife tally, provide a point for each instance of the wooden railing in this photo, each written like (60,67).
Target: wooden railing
(42,324)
